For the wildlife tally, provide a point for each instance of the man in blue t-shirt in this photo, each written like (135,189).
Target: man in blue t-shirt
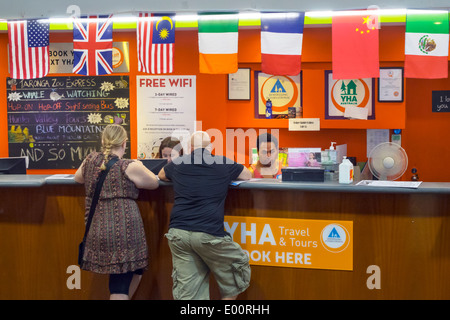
(197,239)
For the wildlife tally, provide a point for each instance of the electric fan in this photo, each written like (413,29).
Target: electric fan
(388,161)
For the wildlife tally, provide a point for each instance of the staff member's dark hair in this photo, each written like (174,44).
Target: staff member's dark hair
(266,137)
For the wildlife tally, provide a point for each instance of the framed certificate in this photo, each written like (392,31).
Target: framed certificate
(239,85)
(390,85)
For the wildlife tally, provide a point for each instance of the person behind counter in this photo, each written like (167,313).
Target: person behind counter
(268,164)
(116,242)
(196,236)
(169,149)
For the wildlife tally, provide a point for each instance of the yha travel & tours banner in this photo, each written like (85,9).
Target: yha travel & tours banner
(296,243)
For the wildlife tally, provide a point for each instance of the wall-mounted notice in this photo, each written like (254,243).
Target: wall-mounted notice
(166,106)
(374,137)
(57,121)
(440,101)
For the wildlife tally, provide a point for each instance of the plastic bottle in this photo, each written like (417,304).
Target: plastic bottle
(268,109)
(255,155)
(346,171)
(332,153)
(415,176)
(329,156)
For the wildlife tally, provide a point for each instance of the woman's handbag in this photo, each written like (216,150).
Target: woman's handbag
(98,188)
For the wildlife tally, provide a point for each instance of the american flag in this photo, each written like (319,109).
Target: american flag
(28,49)
(155,43)
(92,45)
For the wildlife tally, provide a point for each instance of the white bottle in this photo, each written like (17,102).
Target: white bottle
(346,171)
(329,155)
(332,153)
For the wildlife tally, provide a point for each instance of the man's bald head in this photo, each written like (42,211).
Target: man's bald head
(200,139)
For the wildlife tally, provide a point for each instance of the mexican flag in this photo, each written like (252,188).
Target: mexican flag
(426,44)
(218,42)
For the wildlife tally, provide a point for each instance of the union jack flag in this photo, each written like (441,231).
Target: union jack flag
(92,45)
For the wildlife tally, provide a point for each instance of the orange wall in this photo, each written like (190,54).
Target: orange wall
(423,132)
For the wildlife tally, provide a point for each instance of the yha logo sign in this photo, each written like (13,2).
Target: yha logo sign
(283,91)
(294,243)
(350,93)
(344,93)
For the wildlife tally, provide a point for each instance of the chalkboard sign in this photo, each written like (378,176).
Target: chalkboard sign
(440,101)
(57,121)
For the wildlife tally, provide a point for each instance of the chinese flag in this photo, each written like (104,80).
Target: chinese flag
(355,45)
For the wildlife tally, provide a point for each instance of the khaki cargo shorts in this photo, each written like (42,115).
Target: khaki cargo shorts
(196,254)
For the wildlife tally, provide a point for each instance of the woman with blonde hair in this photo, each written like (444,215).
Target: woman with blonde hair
(116,242)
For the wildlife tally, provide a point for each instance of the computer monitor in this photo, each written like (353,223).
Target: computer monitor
(13,165)
(154,165)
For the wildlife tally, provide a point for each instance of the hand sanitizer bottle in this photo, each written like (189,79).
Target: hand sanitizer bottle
(332,153)
(346,171)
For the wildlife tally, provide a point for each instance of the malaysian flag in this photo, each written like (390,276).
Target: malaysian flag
(155,43)
(92,45)
(28,49)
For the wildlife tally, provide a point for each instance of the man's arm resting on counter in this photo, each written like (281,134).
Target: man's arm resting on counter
(162,175)
(245,174)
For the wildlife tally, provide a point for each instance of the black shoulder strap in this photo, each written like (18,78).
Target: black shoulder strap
(98,188)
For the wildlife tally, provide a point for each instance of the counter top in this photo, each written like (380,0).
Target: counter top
(334,186)
(34,180)
(262,184)
(21,180)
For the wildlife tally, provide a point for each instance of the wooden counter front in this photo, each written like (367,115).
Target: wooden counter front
(405,234)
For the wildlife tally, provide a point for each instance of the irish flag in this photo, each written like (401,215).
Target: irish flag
(218,42)
(426,44)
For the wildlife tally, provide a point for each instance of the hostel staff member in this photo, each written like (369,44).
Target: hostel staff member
(268,164)
(197,239)
(170,148)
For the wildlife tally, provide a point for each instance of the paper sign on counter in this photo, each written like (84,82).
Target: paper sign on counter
(304,124)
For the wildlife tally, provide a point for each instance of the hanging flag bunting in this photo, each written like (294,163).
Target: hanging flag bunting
(28,49)
(426,44)
(92,45)
(218,42)
(281,42)
(155,42)
(355,45)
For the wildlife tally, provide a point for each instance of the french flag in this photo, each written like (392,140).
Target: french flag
(281,42)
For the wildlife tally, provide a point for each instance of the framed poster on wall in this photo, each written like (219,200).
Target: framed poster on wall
(349,98)
(284,92)
(239,85)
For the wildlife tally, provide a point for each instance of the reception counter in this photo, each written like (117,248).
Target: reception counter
(403,232)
